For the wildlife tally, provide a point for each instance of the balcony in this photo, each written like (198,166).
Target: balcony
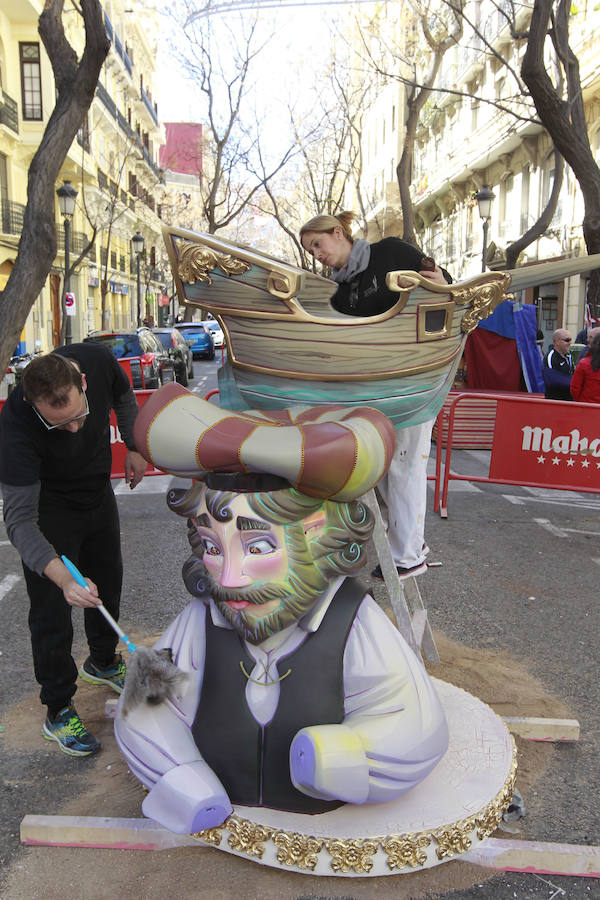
(108,28)
(9,112)
(106,99)
(149,106)
(77,243)
(150,161)
(12,217)
(126,127)
(123,55)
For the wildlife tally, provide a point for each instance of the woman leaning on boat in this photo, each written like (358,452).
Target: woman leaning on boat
(360,270)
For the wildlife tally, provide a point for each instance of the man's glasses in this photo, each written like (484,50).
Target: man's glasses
(50,427)
(567,340)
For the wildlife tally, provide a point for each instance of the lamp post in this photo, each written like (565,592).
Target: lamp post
(138,247)
(484,197)
(66,202)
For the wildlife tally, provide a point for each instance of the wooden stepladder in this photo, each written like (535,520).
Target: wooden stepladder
(405,597)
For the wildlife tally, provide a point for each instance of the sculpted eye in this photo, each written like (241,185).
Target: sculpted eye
(210,547)
(259,545)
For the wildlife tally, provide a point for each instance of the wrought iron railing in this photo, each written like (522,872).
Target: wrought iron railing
(9,113)
(105,97)
(12,217)
(149,106)
(150,161)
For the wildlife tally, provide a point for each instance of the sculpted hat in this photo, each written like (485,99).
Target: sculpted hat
(331,452)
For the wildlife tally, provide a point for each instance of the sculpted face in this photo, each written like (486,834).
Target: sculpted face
(248,566)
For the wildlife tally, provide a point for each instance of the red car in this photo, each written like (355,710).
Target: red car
(141,354)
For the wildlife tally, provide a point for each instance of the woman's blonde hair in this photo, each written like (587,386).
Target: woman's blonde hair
(326,224)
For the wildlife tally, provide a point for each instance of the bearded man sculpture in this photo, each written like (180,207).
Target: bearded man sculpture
(301,694)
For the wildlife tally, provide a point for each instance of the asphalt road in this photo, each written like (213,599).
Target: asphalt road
(518,575)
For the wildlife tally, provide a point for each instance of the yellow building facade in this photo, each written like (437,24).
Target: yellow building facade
(112,164)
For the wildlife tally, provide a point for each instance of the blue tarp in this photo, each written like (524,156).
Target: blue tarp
(519,322)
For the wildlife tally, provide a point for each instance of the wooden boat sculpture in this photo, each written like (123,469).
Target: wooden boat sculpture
(287,345)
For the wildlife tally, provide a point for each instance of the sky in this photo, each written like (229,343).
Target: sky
(289,64)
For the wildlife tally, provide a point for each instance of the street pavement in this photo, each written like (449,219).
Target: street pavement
(518,576)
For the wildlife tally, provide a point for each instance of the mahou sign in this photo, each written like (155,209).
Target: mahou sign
(547,442)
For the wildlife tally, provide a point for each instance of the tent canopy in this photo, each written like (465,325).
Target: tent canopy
(502,353)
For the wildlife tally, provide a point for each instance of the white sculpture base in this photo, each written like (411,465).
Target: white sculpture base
(452,811)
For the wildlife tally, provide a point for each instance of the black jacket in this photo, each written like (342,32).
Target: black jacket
(368,295)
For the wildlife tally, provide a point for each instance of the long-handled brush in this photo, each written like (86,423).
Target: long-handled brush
(151,675)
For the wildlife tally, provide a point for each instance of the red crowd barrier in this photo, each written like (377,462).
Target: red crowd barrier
(536,443)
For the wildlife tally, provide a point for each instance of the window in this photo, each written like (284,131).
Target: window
(31,82)
(434,320)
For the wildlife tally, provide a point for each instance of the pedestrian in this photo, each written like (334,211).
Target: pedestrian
(585,383)
(557,367)
(360,270)
(591,334)
(55,463)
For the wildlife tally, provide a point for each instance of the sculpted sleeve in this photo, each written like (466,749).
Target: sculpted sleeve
(394,730)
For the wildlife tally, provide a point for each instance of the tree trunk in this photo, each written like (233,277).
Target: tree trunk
(514,250)
(562,119)
(75,85)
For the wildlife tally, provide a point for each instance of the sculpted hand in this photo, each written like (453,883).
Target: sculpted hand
(135,467)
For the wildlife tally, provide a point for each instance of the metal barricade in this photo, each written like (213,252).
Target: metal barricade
(536,443)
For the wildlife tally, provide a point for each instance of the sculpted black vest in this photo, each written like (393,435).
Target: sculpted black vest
(252,761)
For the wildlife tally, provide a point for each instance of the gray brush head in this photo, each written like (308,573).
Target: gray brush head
(152,677)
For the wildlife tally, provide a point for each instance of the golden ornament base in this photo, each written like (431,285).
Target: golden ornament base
(453,810)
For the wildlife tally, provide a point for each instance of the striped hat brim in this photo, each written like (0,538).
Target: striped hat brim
(331,452)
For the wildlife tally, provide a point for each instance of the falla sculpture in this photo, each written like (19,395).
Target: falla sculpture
(305,723)
(287,345)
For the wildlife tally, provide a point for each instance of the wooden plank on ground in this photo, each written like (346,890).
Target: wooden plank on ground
(100,832)
(536,729)
(534,856)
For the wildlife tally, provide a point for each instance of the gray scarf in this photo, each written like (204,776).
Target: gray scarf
(357,262)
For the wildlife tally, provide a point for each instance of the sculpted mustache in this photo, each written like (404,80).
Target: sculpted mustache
(257,595)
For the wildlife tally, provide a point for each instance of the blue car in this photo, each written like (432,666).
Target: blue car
(199,337)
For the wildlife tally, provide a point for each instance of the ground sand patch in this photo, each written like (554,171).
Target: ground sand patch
(87,874)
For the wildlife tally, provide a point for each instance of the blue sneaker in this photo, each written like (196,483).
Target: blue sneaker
(113,676)
(69,732)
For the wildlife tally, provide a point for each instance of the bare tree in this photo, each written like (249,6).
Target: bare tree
(564,117)
(329,142)
(76,81)
(421,88)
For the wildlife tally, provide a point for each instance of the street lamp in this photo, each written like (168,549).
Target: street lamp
(484,197)
(66,203)
(138,248)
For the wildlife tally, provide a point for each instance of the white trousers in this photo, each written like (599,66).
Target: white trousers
(404,491)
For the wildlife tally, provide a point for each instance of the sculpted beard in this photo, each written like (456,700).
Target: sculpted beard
(255,630)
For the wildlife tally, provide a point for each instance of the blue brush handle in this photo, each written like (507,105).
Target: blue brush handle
(81,581)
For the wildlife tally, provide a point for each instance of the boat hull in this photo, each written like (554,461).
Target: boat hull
(287,345)
(406,401)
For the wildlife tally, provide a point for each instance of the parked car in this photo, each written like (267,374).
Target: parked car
(217,332)
(179,350)
(199,337)
(141,355)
